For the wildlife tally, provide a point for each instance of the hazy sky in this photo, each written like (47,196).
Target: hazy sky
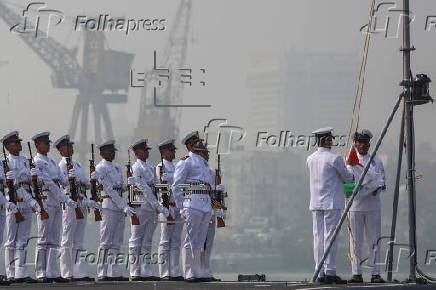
(225,35)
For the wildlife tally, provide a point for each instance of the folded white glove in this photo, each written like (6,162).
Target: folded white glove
(33,171)
(72,173)
(71,203)
(11,175)
(163,210)
(92,204)
(11,206)
(94,175)
(129,211)
(131,180)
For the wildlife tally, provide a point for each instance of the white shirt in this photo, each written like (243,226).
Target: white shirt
(375,178)
(3,199)
(81,177)
(193,169)
(327,173)
(20,165)
(145,176)
(168,174)
(110,176)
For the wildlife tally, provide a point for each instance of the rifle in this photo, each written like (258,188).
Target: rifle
(219,201)
(165,197)
(73,189)
(134,219)
(35,187)
(11,188)
(94,190)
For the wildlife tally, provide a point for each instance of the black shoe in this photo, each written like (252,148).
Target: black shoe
(320,280)
(136,278)
(26,280)
(84,279)
(166,278)
(11,280)
(334,280)
(43,280)
(150,278)
(356,279)
(103,279)
(120,278)
(59,280)
(193,280)
(377,279)
(177,278)
(5,283)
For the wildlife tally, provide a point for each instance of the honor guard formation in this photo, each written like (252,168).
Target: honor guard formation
(187,194)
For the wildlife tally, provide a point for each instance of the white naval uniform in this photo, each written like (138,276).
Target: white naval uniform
(49,230)
(17,234)
(110,176)
(73,229)
(210,237)
(3,202)
(196,210)
(328,173)
(365,216)
(170,235)
(141,237)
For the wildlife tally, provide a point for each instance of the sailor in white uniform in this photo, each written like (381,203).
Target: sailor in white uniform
(17,234)
(140,243)
(194,171)
(171,234)
(207,275)
(327,173)
(114,209)
(73,230)
(365,212)
(9,206)
(49,230)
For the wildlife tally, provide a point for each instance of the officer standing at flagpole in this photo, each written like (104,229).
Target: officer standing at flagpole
(365,212)
(327,173)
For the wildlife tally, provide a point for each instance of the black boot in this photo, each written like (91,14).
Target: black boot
(377,279)
(334,280)
(356,279)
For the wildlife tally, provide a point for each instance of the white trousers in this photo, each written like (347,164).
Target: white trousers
(111,240)
(72,248)
(141,259)
(47,245)
(169,246)
(324,223)
(365,225)
(17,238)
(207,251)
(196,231)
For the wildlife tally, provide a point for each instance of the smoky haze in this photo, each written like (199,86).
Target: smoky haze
(270,66)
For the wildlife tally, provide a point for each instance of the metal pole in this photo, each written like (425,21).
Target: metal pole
(396,198)
(410,139)
(356,189)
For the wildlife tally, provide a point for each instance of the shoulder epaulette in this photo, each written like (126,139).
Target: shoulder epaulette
(184,157)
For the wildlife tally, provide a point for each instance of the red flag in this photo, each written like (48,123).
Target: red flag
(353,158)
